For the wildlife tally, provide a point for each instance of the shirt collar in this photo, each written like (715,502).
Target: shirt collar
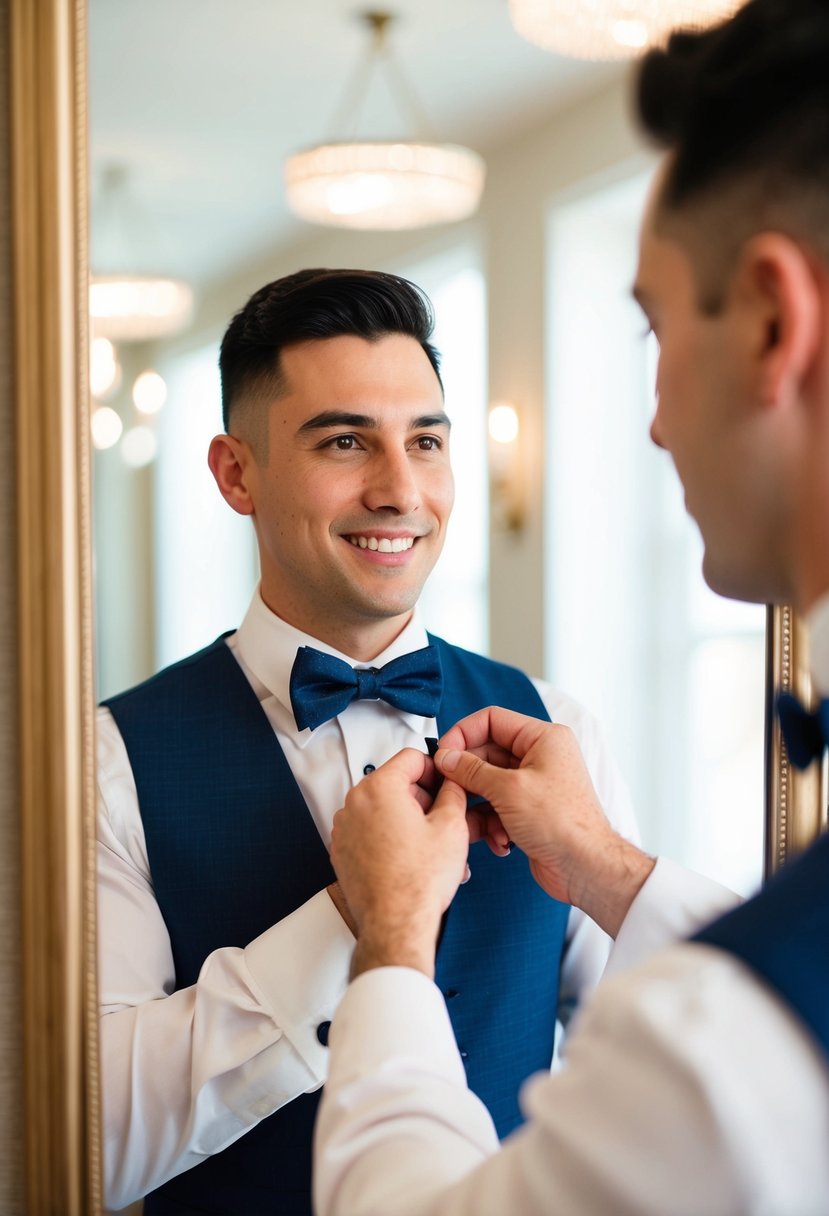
(267,646)
(817,624)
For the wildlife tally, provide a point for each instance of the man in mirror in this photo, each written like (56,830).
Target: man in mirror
(696,1082)
(225,941)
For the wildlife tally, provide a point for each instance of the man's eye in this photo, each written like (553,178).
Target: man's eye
(428,443)
(344,443)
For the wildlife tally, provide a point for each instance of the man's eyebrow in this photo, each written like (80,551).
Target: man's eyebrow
(429,420)
(331,418)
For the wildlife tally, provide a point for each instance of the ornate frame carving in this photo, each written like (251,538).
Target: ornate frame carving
(795,801)
(49,238)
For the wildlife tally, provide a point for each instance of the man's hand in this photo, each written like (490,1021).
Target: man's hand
(540,796)
(399,858)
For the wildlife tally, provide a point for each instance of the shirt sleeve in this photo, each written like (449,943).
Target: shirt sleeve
(186,1073)
(660,1106)
(672,904)
(587,947)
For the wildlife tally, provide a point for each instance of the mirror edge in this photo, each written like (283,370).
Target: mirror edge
(56,700)
(795,800)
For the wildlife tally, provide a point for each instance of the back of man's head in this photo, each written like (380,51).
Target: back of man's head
(744,110)
(311,305)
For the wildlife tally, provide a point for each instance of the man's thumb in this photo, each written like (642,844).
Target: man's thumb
(474,774)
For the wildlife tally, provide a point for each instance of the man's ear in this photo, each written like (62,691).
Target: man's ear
(230,460)
(780,285)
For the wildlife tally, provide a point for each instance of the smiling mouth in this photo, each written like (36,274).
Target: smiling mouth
(382,544)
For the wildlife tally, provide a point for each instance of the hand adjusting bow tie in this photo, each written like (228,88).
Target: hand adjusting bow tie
(323,686)
(805,732)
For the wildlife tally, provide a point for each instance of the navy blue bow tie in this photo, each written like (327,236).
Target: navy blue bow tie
(805,732)
(322,686)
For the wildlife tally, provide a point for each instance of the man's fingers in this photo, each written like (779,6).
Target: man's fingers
(450,801)
(411,764)
(494,728)
(485,824)
(422,797)
(473,773)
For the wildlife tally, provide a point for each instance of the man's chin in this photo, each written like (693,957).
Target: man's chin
(735,582)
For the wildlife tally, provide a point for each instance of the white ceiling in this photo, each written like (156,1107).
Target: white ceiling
(201,100)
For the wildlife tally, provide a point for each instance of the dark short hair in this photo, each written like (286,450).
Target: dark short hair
(313,305)
(744,108)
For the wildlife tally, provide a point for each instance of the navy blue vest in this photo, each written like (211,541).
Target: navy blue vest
(233,849)
(783,935)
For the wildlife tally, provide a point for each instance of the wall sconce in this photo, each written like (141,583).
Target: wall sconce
(507,479)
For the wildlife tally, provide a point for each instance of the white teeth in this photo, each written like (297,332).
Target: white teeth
(383,544)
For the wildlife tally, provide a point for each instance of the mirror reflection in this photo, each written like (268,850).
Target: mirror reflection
(569,553)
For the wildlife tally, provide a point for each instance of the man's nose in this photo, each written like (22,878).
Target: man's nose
(391,484)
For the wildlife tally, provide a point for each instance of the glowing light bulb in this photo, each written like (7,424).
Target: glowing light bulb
(503,423)
(106,427)
(149,392)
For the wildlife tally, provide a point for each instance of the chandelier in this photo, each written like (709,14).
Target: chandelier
(125,305)
(612,29)
(138,308)
(380,183)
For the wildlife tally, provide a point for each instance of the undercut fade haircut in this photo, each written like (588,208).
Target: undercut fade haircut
(744,110)
(312,305)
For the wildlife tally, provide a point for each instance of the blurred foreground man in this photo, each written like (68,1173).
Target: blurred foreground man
(696,1083)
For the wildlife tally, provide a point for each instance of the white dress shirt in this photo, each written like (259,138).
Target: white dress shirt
(186,1073)
(688,1088)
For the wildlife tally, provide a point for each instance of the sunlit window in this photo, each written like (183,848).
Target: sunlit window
(205,554)
(455,598)
(674,672)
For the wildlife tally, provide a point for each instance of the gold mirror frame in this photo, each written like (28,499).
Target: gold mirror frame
(47,65)
(795,801)
(47,41)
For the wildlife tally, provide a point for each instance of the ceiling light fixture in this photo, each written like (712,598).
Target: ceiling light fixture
(611,29)
(383,184)
(126,306)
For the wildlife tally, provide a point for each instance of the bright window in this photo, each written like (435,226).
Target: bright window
(454,601)
(675,673)
(205,554)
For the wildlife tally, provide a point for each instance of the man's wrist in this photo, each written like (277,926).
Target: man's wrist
(613,885)
(386,944)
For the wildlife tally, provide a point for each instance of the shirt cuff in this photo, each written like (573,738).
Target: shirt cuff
(672,904)
(301,967)
(393,1012)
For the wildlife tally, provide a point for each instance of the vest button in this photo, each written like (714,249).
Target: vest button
(451,993)
(368,768)
(464,1054)
(322,1033)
